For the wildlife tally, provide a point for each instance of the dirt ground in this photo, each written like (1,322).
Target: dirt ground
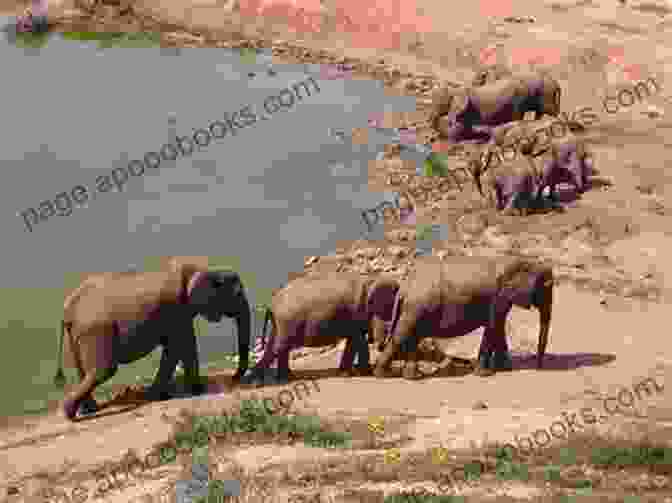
(609,248)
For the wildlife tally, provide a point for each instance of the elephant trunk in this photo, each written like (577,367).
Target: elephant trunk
(544,303)
(59,378)
(243,326)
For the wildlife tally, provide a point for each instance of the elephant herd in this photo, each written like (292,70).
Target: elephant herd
(118,318)
(491,112)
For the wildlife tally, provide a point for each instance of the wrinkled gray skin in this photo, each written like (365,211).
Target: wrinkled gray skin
(118,318)
(514,183)
(470,114)
(320,310)
(567,161)
(456,295)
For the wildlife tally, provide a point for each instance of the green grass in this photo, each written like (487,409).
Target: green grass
(32,40)
(253,417)
(622,457)
(30,323)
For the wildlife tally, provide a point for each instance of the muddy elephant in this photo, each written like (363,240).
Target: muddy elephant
(456,295)
(471,113)
(118,318)
(320,310)
(513,183)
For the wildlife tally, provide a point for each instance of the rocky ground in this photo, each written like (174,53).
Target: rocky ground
(609,248)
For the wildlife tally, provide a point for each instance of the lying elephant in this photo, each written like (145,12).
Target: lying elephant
(463,114)
(118,318)
(453,297)
(514,183)
(320,310)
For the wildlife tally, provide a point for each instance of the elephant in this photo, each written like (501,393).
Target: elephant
(320,310)
(118,318)
(566,161)
(456,295)
(471,113)
(514,183)
(563,159)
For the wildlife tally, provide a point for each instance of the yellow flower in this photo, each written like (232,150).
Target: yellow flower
(377,425)
(439,455)
(392,455)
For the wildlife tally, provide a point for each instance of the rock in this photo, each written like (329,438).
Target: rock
(479,405)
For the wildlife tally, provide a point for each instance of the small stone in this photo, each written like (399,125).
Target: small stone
(479,405)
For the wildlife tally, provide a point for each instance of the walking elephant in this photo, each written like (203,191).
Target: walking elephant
(314,311)
(118,318)
(453,297)
(471,113)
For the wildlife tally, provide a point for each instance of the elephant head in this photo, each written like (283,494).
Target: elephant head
(526,284)
(214,294)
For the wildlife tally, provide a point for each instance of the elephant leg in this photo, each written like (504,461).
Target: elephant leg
(406,325)
(284,373)
(189,357)
(485,353)
(88,404)
(494,352)
(96,365)
(348,357)
(159,389)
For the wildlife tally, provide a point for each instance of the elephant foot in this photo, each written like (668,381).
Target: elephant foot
(156,395)
(411,373)
(379,372)
(501,361)
(260,377)
(87,407)
(69,409)
(483,366)
(363,371)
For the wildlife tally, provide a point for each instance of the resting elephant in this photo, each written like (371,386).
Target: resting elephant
(453,297)
(320,310)
(470,113)
(118,318)
(514,183)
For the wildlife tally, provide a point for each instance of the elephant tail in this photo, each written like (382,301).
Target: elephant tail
(59,378)
(267,317)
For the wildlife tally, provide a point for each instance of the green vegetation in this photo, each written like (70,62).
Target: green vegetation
(248,55)
(253,417)
(435,165)
(633,456)
(31,40)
